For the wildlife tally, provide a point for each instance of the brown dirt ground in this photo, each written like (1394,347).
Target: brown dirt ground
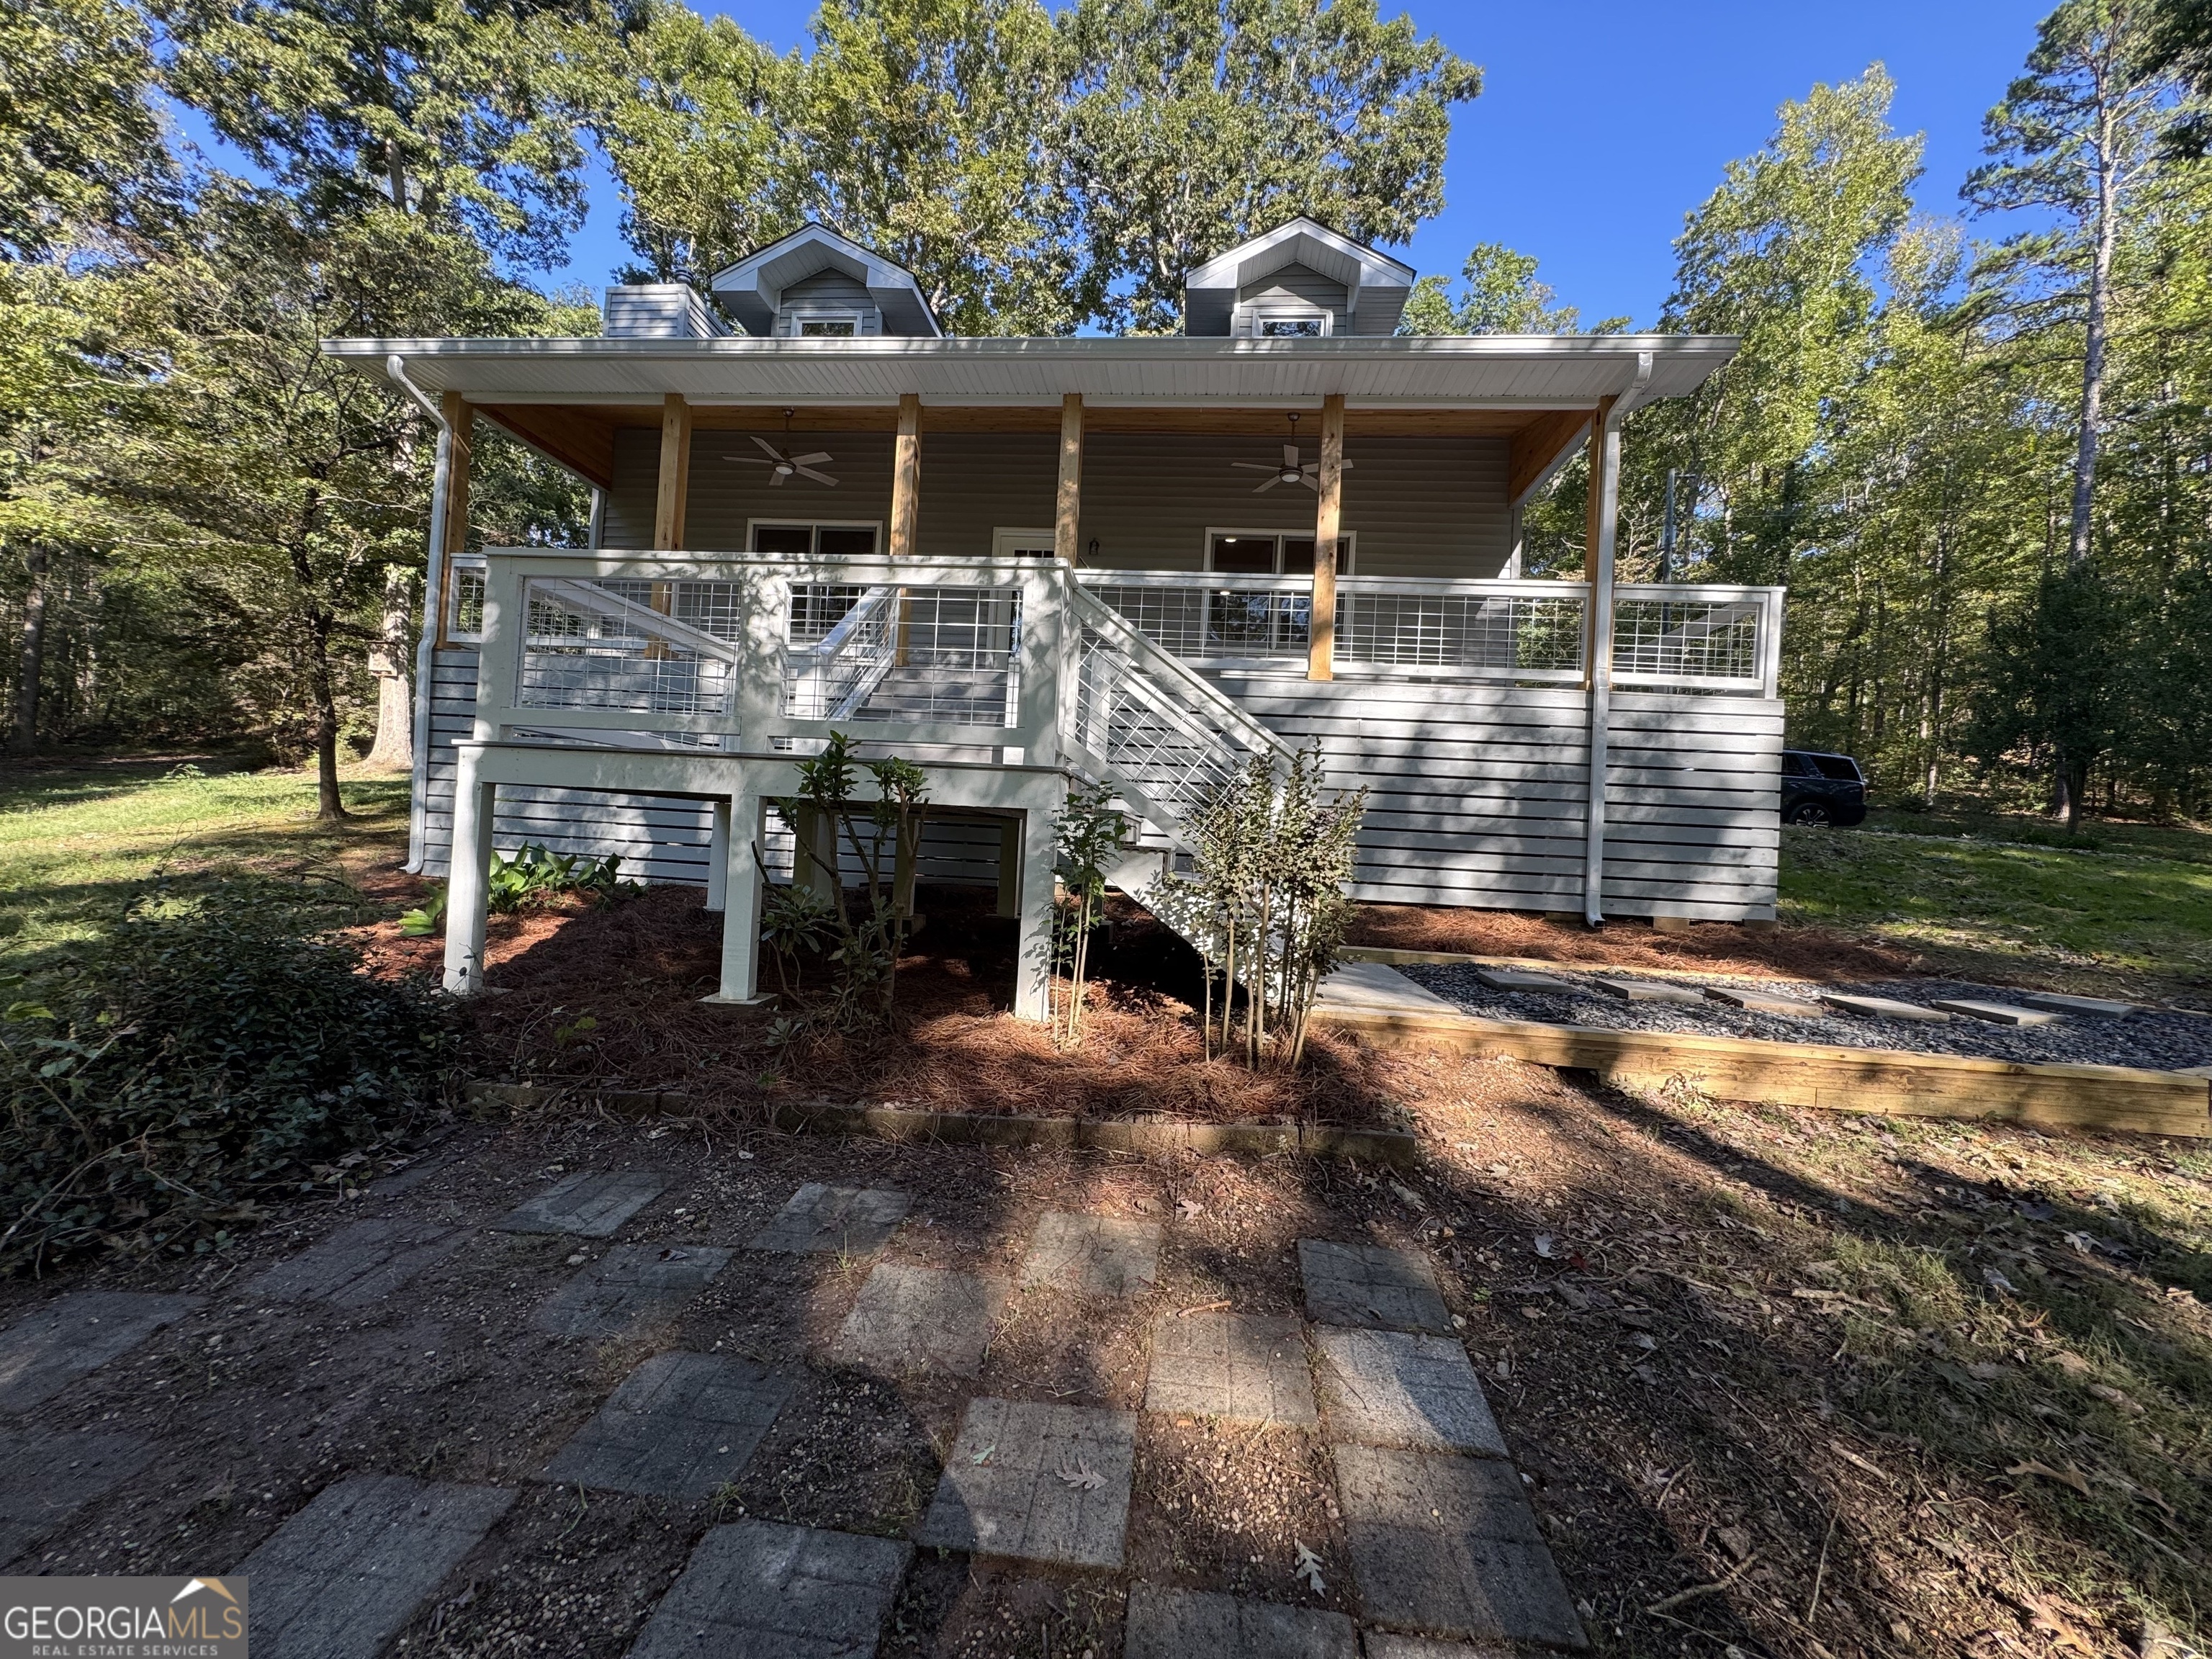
(1710,1427)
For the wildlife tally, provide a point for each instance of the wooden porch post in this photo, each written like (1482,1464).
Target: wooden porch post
(1067,511)
(675,473)
(1329,514)
(1597,566)
(906,476)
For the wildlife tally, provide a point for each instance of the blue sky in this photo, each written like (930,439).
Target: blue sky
(1602,122)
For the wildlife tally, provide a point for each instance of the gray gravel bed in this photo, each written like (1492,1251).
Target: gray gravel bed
(2161,1041)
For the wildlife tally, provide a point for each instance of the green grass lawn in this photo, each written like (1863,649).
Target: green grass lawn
(2125,907)
(81,837)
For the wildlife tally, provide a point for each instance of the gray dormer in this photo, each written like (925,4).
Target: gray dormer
(816,283)
(659,311)
(1299,281)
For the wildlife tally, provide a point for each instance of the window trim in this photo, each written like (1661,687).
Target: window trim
(1008,542)
(800,316)
(449,603)
(815,526)
(1257,317)
(1346,540)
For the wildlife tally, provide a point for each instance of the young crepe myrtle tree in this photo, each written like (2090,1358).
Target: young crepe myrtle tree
(1085,837)
(1267,905)
(868,939)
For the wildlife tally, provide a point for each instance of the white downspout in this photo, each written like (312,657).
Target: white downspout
(433,604)
(1605,478)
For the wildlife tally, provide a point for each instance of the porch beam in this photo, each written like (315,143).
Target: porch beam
(1328,517)
(906,476)
(675,473)
(1067,504)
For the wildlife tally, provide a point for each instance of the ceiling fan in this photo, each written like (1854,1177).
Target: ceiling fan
(783,462)
(1289,472)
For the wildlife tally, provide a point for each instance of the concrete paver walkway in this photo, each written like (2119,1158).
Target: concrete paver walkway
(1371,1389)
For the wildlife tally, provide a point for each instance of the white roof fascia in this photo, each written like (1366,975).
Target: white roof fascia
(1501,371)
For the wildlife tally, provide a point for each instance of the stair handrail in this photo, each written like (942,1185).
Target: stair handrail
(1184,699)
(820,659)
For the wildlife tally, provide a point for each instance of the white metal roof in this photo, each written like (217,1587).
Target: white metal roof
(1569,371)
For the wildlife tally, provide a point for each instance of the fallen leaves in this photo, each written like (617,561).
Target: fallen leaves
(1081,1476)
(1308,1569)
(2069,1476)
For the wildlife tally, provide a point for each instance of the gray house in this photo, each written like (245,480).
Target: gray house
(1022,561)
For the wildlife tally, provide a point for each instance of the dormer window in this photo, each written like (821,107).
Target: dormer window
(1293,328)
(825,324)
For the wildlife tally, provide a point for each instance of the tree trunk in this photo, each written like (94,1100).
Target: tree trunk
(2092,355)
(32,660)
(395,707)
(322,690)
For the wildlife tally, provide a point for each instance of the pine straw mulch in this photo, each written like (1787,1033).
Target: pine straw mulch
(1805,953)
(607,997)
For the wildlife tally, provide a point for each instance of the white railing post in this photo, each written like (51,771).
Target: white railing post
(467,879)
(499,654)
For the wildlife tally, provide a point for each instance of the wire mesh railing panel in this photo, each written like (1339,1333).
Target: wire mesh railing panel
(1150,741)
(1208,623)
(831,677)
(818,607)
(940,656)
(618,645)
(1686,640)
(1499,634)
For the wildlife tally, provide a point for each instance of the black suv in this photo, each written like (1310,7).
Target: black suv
(1819,788)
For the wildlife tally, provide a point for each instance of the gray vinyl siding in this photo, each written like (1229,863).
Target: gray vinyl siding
(1418,506)
(726,496)
(1290,291)
(974,483)
(659,311)
(1476,797)
(827,290)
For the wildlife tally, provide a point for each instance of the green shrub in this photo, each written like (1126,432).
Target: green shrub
(191,1064)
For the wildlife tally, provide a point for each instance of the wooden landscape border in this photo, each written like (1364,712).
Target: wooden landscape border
(1756,1071)
(1141,1136)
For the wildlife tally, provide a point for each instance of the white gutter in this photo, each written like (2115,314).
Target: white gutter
(433,601)
(1605,478)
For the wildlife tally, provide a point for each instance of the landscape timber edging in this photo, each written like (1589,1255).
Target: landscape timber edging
(1141,1136)
(1755,1071)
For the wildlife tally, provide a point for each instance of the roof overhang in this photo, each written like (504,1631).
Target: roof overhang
(565,398)
(1492,371)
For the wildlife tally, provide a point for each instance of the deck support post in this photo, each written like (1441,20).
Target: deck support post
(1009,867)
(718,857)
(1597,565)
(675,487)
(1328,515)
(1068,508)
(741,898)
(1597,647)
(1033,954)
(467,881)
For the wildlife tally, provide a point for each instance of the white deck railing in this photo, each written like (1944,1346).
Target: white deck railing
(1014,656)
(1699,638)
